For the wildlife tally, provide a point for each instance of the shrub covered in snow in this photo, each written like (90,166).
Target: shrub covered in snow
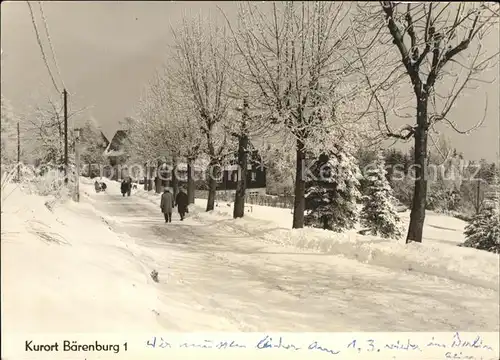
(8,124)
(483,232)
(332,193)
(49,182)
(379,214)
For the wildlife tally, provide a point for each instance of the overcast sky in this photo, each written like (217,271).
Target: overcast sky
(107,51)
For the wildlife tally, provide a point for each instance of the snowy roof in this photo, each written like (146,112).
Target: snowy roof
(123,125)
(108,152)
(114,153)
(183,167)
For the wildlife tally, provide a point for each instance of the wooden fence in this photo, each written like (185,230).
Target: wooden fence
(285,202)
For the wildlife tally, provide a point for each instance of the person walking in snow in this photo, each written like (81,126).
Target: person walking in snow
(129,185)
(181,200)
(166,205)
(126,186)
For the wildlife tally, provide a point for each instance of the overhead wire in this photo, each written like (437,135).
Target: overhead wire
(46,28)
(41,47)
(44,19)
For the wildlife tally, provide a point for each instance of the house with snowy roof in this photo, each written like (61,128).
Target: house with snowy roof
(115,150)
(227,180)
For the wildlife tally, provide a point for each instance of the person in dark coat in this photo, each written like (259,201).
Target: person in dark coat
(166,205)
(97,186)
(129,185)
(124,187)
(181,201)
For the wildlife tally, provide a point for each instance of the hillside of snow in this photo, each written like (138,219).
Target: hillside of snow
(66,271)
(85,267)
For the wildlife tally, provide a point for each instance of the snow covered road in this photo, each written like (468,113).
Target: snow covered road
(214,277)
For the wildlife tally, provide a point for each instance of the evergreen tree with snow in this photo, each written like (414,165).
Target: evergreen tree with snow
(483,232)
(332,191)
(378,213)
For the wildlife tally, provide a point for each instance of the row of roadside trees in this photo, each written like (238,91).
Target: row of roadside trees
(316,78)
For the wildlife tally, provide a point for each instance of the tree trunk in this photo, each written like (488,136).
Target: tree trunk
(150,178)
(158,181)
(478,197)
(417,215)
(241,187)
(300,187)
(212,188)
(157,184)
(174,180)
(146,182)
(324,221)
(190,181)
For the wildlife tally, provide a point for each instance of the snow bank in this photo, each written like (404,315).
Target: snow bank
(432,257)
(149,195)
(67,272)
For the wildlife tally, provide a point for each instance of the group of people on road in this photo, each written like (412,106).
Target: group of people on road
(168,202)
(126,186)
(99,186)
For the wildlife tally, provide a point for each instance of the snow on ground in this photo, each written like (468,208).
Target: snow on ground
(438,254)
(218,274)
(65,271)
(317,271)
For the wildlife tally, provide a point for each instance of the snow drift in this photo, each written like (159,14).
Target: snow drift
(438,258)
(77,275)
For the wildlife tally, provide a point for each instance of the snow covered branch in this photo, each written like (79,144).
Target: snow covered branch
(437,47)
(296,61)
(440,51)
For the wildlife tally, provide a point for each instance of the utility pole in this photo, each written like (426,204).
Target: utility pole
(478,196)
(18,153)
(243,142)
(77,160)
(65,100)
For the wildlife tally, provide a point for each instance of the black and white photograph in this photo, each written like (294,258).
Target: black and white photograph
(250,167)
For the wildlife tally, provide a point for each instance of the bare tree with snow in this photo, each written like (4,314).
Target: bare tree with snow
(166,128)
(8,131)
(437,48)
(44,136)
(201,54)
(297,64)
(150,134)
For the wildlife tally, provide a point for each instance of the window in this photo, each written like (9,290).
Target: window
(235,176)
(254,176)
(219,175)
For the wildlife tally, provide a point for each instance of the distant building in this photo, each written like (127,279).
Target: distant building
(116,148)
(117,145)
(226,181)
(104,140)
(256,175)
